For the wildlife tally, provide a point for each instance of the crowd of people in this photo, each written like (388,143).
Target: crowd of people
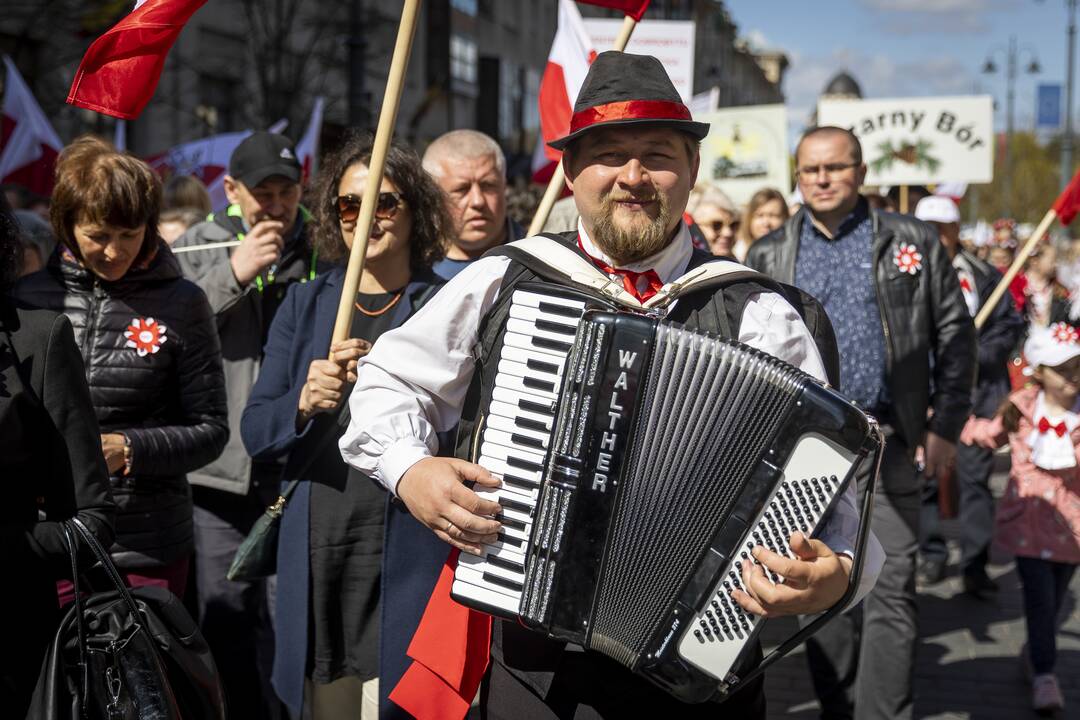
(167,373)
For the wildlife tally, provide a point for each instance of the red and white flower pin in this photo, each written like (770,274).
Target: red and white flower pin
(908,259)
(1064,333)
(146,335)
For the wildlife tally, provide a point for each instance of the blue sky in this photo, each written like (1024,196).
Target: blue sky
(899,48)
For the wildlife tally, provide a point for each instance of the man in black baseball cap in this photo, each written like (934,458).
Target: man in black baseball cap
(245,285)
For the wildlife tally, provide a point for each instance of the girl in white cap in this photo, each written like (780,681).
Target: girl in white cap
(1038,519)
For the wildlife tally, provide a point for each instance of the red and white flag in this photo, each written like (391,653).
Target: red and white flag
(1068,203)
(206,159)
(121,69)
(307,150)
(568,62)
(633,8)
(28,143)
(953,190)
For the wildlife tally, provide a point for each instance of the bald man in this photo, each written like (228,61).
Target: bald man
(471,169)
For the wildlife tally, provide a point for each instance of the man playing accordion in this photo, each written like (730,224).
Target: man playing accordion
(631,159)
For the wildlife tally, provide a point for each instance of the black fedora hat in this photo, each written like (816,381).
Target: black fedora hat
(625,89)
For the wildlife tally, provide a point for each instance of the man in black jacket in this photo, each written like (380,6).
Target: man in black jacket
(997,339)
(906,352)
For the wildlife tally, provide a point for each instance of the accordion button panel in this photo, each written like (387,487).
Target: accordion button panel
(518,426)
(812,479)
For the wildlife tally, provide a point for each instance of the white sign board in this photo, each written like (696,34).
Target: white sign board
(918,141)
(670,41)
(746,150)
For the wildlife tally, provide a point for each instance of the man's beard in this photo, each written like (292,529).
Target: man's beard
(626,246)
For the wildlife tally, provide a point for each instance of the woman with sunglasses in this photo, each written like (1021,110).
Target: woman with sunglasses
(330,547)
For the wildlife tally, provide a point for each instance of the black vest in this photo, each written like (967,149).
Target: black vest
(530,657)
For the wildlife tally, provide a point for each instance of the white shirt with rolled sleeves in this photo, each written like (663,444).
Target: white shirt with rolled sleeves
(412,384)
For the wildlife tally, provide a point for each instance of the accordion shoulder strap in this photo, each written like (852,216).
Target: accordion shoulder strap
(550,258)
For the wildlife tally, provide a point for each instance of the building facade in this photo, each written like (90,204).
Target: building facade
(250,63)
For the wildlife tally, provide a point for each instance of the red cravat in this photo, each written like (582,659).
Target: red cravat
(1044,426)
(642,285)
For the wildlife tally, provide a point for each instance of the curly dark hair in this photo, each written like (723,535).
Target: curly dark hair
(430,219)
(11,247)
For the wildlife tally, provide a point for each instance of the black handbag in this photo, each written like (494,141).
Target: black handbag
(125,654)
(257,555)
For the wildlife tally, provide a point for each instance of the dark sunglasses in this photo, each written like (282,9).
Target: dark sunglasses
(386,207)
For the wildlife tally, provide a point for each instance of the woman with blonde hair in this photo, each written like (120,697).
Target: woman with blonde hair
(766,212)
(716,216)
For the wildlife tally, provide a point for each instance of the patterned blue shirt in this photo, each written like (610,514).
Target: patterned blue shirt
(840,274)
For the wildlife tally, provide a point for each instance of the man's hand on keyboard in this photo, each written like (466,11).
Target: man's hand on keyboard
(812,581)
(434,492)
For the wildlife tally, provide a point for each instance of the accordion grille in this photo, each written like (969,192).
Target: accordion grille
(709,411)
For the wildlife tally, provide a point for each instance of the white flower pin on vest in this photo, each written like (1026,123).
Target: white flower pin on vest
(1064,333)
(908,259)
(146,335)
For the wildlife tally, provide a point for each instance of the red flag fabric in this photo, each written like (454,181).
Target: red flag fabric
(633,8)
(450,651)
(1068,202)
(121,69)
(28,144)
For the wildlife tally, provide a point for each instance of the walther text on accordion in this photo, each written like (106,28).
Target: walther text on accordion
(640,463)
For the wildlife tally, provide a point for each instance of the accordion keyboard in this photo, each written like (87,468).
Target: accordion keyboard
(722,629)
(517,430)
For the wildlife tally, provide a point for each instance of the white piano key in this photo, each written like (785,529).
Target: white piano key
(509,425)
(523,355)
(532,314)
(512,382)
(524,400)
(526,451)
(482,564)
(511,503)
(486,596)
(513,413)
(471,574)
(529,329)
(517,369)
(531,299)
(524,340)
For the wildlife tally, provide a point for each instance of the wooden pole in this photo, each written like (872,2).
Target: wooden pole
(383,134)
(555,185)
(903,199)
(1018,262)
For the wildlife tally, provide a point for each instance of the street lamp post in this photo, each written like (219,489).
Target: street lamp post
(1067,136)
(1012,58)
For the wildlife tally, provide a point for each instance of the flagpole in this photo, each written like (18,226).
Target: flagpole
(555,185)
(1018,262)
(383,134)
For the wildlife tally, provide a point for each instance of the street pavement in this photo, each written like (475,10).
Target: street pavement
(968,659)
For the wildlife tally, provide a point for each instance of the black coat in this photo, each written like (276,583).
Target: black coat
(52,469)
(929,335)
(170,403)
(997,339)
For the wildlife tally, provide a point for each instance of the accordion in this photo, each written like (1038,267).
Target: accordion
(640,463)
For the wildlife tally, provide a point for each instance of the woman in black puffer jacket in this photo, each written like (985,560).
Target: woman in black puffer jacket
(150,346)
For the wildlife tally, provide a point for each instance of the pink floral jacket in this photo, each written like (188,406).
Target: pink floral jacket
(1039,516)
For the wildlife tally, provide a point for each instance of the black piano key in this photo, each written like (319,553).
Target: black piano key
(553,309)
(523,464)
(539,408)
(555,327)
(540,366)
(529,424)
(527,441)
(535,384)
(516,481)
(503,582)
(510,522)
(505,564)
(506,539)
(551,345)
(515,505)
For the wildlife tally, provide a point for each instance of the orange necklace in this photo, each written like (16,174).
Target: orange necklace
(383,309)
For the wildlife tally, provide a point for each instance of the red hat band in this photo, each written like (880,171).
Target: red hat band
(629,110)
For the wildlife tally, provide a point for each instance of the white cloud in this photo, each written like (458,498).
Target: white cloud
(756,40)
